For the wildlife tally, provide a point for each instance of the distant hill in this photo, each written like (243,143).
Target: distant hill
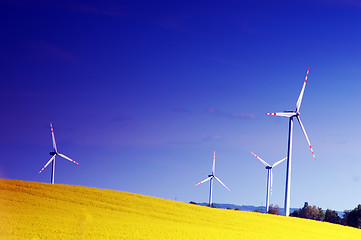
(247,208)
(39,211)
(250,208)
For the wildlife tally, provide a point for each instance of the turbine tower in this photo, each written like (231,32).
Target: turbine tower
(269,177)
(291,115)
(54,153)
(210,177)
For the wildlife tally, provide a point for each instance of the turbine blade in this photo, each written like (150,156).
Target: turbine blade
(298,104)
(67,158)
(271,176)
(304,132)
(52,135)
(283,114)
(221,183)
(263,161)
(205,180)
(51,159)
(214,163)
(276,163)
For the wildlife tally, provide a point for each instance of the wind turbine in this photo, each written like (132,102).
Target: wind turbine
(54,153)
(210,177)
(269,177)
(291,115)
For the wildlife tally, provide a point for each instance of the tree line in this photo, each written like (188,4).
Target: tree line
(350,218)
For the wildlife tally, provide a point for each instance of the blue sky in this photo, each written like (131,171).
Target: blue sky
(140,93)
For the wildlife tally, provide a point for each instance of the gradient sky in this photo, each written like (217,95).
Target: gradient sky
(141,93)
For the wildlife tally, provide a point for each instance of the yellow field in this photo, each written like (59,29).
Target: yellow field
(30,210)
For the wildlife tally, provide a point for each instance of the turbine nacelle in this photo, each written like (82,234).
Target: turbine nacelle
(52,153)
(268,167)
(296,113)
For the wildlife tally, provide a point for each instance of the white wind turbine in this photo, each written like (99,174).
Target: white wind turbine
(54,153)
(210,177)
(291,115)
(269,177)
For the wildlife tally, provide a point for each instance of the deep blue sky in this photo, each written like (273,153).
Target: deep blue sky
(141,93)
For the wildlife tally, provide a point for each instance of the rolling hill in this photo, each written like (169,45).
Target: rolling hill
(30,210)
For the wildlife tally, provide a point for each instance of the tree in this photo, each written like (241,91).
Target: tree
(353,218)
(321,214)
(274,210)
(309,212)
(296,213)
(331,216)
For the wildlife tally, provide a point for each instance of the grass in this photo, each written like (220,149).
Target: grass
(34,211)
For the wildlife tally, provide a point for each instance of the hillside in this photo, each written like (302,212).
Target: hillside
(30,210)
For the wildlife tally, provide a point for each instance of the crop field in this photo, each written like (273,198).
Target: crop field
(33,211)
